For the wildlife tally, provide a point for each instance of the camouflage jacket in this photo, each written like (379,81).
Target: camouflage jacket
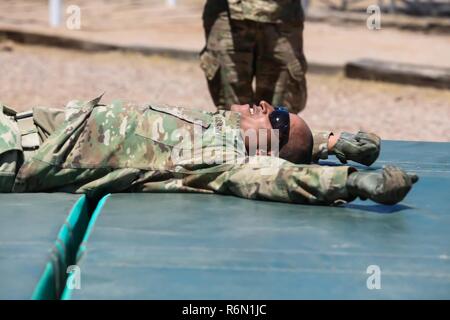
(122,148)
(272,11)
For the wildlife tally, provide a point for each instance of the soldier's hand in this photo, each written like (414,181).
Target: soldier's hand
(362,147)
(389,186)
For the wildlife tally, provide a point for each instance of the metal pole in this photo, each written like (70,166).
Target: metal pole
(392,7)
(171,3)
(54,11)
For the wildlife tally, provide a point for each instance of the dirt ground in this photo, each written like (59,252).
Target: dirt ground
(152,23)
(31,75)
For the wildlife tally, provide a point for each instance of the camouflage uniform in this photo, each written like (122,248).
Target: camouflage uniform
(11,155)
(254,39)
(122,148)
(320,147)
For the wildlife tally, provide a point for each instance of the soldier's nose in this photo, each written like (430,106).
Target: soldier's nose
(251,109)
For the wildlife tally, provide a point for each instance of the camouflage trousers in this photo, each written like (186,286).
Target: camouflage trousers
(21,135)
(242,54)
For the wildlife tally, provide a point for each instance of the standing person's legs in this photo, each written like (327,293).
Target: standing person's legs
(227,59)
(281,65)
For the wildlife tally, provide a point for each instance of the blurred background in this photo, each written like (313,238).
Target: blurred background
(145,51)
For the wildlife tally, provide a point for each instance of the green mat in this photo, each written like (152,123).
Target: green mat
(196,246)
(39,238)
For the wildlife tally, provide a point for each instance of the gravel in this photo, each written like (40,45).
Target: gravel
(33,75)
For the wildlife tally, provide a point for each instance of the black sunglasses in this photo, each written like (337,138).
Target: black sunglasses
(279,119)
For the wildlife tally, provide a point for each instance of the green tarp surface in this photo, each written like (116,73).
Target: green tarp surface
(196,246)
(38,237)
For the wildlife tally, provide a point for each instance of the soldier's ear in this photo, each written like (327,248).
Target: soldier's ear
(265,106)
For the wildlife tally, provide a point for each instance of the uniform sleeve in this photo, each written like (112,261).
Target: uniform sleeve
(269,178)
(320,148)
(11,154)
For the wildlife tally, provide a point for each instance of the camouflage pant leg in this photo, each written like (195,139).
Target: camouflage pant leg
(19,139)
(11,155)
(36,126)
(228,59)
(47,120)
(281,66)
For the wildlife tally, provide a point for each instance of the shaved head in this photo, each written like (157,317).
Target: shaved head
(296,148)
(299,147)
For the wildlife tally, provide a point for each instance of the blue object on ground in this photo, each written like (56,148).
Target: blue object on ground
(197,246)
(39,237)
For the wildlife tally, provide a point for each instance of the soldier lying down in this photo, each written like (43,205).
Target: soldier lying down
(255,152)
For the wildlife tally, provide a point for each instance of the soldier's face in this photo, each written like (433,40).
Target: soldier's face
(255,119)
(254,116)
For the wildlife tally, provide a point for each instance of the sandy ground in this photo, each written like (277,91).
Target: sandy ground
(151,23)
(32,76)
